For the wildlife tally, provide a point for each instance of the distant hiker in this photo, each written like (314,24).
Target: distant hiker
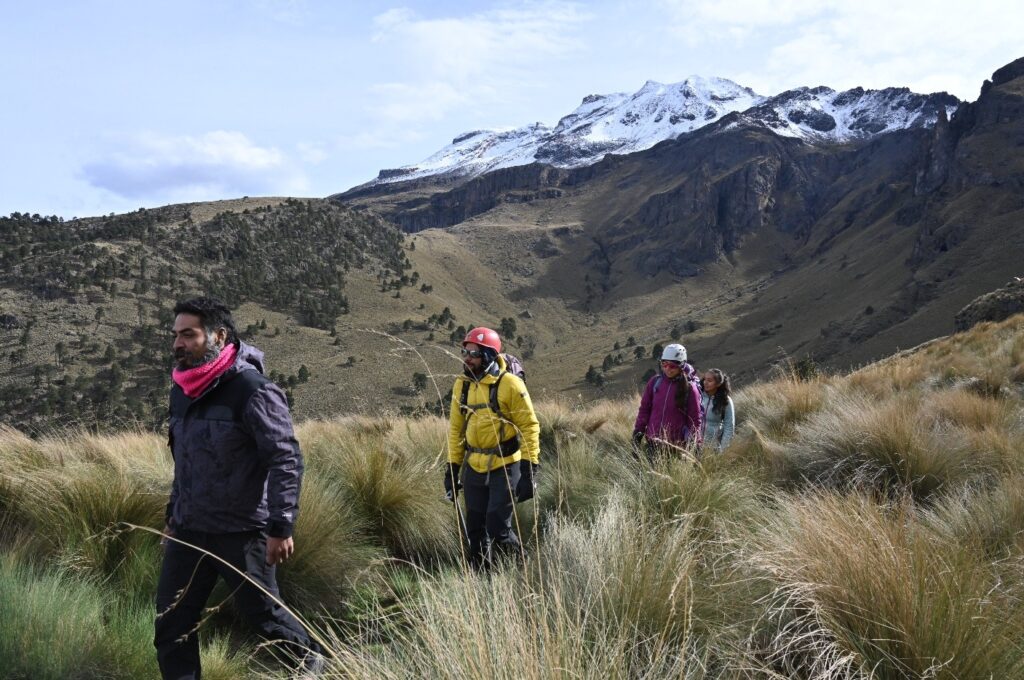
(494,440)
(237,475)
(719,412)
(670,409)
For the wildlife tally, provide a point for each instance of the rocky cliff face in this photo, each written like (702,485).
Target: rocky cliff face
(981,149)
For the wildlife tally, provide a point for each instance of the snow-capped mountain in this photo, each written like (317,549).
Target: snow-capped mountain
(625,123)
(821,114)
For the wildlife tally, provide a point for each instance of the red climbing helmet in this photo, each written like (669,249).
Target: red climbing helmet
(484,337)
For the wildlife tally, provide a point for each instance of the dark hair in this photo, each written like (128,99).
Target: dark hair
(721,398)
(682,389)
(212,313)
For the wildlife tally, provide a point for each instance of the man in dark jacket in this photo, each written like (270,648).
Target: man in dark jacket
(237,475)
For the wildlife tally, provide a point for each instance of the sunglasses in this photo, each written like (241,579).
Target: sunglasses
(673,364)
(475,353)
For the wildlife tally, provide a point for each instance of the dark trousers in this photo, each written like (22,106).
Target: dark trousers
(186,580)
(490,500)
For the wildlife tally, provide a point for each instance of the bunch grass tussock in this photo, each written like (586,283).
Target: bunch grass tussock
(941,416)
(888,445)
(387,474)
(860,526)
(705,496)
(81,526)
(989,519)
(603,598)
(579,479)
(776,408)
(887,589)
(333,555)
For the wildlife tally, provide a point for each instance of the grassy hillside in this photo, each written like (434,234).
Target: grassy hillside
(85,305)
(865,525)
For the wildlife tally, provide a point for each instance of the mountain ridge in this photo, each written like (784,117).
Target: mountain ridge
(747,246)
(622,123)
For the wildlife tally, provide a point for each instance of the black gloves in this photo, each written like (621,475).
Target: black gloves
(527,480)
(451,482)
(638,439)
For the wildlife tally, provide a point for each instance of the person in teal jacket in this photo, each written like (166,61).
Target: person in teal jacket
(719,412)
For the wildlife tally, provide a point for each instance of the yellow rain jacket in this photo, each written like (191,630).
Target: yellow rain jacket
(485,429)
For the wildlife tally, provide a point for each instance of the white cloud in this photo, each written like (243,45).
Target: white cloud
(749,13)
(155,167)
(291,12)
(871,43)
(311,153)
(471,60)
(430,100)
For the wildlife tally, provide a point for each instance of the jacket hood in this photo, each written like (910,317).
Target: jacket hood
(689,370)
(248,358)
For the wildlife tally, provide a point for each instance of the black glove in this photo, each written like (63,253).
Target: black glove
(638,439)
(451,482)
(527,480)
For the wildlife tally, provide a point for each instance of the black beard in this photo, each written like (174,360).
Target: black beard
(185,362)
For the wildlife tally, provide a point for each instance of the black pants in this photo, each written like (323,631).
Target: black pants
(186,580)
(490,500)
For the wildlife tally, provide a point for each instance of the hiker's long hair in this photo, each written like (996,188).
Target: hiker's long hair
(721,398)
(682,390)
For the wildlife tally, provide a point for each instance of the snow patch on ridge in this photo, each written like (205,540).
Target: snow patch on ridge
(624,123)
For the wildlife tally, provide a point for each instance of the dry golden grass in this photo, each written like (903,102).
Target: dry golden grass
(388,475)
(776,408)
(859,526)
(989,519)
(883,587)
(614,597)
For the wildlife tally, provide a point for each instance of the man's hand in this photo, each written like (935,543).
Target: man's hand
(279,549)
(167,532)
(451,482)
(527,485)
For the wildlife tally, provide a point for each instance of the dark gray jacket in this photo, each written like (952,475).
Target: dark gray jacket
(237,464)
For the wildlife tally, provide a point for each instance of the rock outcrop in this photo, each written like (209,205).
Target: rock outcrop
(995,306)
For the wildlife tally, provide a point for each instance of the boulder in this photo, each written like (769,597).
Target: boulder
(995,306)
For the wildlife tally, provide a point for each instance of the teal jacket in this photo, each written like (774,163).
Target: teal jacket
(718,429)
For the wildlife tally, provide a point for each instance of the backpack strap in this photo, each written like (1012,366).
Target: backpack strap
(492,403)
(492,397)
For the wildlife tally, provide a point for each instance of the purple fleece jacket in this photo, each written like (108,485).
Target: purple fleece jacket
(659,419)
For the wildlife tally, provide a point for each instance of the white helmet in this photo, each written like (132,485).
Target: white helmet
(674,352)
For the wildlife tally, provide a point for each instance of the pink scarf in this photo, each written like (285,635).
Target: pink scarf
(194,381)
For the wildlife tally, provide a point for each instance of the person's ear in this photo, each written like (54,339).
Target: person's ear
(221,337)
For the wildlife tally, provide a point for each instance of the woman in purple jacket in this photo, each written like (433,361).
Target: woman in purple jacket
(670,415)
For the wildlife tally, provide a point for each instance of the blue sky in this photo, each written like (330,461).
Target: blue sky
(113,105)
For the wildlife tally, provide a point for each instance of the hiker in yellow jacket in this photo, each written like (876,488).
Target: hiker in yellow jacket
(494,440)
